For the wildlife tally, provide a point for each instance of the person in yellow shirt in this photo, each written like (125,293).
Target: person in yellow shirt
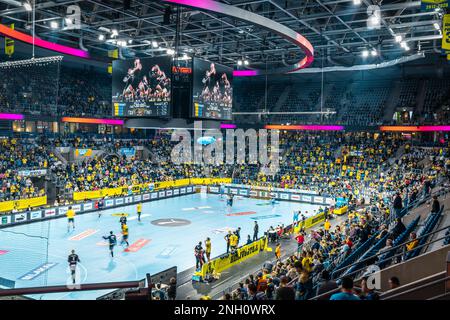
(278,251)
(208,249)
(70,214)
(139,210)
(413,243)
(327,226)
(125,234)
(233,242)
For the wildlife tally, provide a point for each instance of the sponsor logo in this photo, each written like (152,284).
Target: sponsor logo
(88,206)
(20,217)
(35,215)
(146,196)
(109,203)
(36,272)
(155,195)
(119,201)
(162,194)
(50,213)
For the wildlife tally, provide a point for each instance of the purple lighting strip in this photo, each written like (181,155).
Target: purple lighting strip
(11,116)
(227,126)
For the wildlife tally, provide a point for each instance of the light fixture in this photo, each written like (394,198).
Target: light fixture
(437,26)
(239,62)
(246,62)
(365,53)
(27,6)
(54,25)
(155,44)
(101,37)
(356,2)
(374,19)
(398,38)
(114,33)
(130,41)
(185,56)
(373,53)
(403,44)
(170,52)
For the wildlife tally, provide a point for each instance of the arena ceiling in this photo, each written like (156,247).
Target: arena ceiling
(339,30)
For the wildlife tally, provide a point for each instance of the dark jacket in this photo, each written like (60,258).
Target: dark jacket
(325,287)
(435,206)
(398,202)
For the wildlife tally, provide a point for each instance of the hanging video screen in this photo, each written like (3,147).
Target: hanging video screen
(212,90)
(142,87)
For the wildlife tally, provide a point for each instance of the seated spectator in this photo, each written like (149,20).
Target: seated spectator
(285,292)
(413,243)
(366,292)
(255,295)
(326,285)
(394,283)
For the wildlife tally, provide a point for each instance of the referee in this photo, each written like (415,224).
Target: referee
(73,259)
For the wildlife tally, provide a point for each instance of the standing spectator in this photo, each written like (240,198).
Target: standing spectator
(208,248)
(172,290)
(346,291)
(198,252)
(254,295)
(435,206)
(398,205)
(255,231)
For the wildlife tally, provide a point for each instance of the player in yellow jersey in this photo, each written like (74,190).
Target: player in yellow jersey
(139,210)
(233,243)
(70,218)
(125,234)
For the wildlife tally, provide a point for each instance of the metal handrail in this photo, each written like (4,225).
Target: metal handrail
(392,249)
(418,288)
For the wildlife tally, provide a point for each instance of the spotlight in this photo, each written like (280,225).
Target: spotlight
(239,62)
(155,44)
(185,56)
(356,2)
(407,48)
(114,33)
(130,41)
(27,6)
(365,53)
(374,19)
(101,37)
(170,52)
(373,53)
(437,26)
(398,38)
(403,44)
(246,62)
(54,25)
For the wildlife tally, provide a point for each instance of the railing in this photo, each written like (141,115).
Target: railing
(421,287)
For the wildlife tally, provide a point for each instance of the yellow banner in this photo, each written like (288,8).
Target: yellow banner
(86,195)
(110,68)
(243,253)
(446,32)
(311,221)
(9,44)
(113,53)
(23,204)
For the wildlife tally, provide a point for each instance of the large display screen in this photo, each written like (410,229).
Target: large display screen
(142,87)
(212,90)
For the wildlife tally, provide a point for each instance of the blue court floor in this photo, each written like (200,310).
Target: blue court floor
(154,247)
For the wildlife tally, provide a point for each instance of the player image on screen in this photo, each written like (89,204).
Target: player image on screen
(142,87)
(212,94)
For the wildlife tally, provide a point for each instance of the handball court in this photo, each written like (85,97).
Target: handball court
(165,237)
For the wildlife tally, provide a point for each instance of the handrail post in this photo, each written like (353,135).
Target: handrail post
(447,285)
